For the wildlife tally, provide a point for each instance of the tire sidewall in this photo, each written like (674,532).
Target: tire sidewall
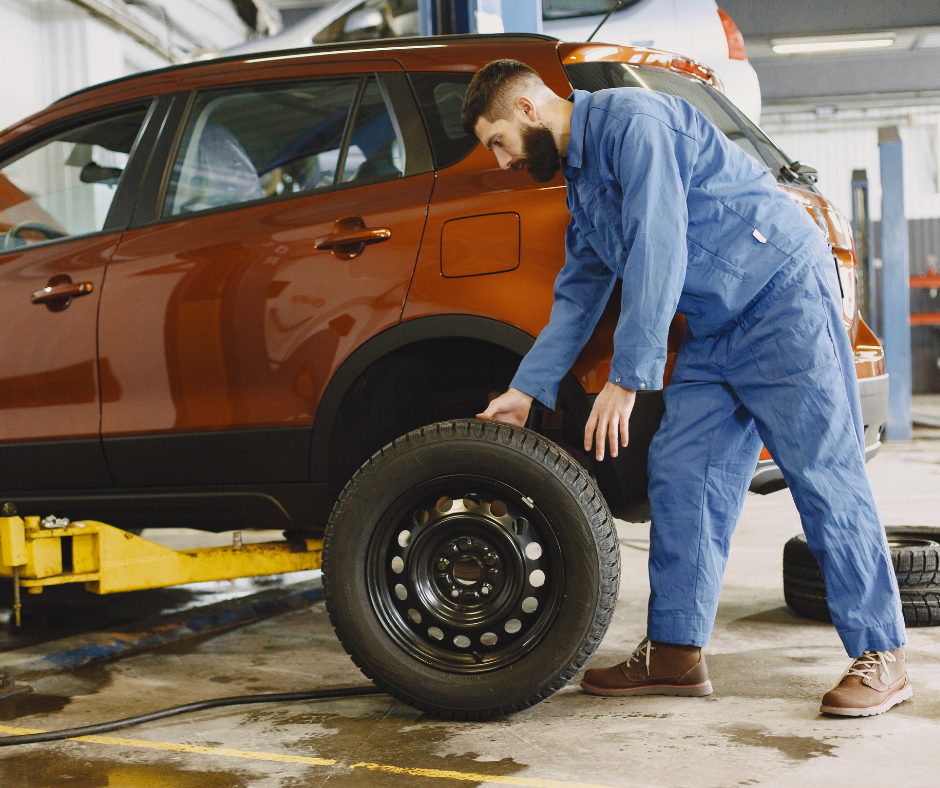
(424,458)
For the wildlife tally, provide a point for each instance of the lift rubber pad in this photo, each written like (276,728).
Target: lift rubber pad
(72,652)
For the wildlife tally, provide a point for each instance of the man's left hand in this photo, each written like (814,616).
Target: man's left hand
(610,418)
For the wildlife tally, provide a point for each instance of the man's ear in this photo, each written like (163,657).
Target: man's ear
(526,110)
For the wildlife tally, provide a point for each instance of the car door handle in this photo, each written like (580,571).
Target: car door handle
(350,236)
(62,293)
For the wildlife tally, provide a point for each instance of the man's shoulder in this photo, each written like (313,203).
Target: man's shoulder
(622,106)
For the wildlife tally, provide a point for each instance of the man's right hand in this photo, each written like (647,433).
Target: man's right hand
(511,407)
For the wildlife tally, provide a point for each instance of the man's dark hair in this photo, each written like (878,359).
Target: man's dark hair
(493,90)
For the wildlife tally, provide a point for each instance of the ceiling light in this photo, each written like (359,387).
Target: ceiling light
(832,46)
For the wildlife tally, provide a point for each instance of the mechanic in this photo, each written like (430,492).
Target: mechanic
(689,222)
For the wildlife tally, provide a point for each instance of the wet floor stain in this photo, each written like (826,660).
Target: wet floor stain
(795,747)
(396,736)
(29,703)
(42,770)
(54,694)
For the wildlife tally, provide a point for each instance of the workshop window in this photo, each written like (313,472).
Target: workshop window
(259,143)
(65,186)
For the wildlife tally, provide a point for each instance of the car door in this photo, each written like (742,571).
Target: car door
(62,200)
(285,235)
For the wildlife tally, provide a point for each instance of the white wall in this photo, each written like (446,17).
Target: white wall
(848,141)
(49,48)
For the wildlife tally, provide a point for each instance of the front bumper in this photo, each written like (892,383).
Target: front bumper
(873,394)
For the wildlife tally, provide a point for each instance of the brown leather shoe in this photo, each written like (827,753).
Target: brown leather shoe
(653,669)
(874,683)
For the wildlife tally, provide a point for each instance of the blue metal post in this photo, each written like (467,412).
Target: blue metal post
(522,16)
(439,17)
(895,285)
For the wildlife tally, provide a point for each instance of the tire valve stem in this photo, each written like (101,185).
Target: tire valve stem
(529,502)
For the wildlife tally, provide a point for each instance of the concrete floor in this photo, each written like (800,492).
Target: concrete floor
(760,727)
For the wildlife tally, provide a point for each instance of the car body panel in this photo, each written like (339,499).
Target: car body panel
(230,347)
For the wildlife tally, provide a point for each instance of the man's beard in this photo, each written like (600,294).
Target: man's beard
(540,153)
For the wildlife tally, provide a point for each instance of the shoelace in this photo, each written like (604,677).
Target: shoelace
(645,645)
(869,663)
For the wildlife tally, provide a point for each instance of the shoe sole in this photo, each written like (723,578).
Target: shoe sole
(675,690)
(900,696)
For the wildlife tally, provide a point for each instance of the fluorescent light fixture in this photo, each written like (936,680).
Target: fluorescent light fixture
(789,48)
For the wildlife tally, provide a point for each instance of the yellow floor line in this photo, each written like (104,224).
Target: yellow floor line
(486,779)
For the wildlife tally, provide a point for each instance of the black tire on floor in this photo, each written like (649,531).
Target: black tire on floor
(471,568)
(915,553)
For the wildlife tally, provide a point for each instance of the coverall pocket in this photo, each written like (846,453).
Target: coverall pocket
(715,261)
(793,336)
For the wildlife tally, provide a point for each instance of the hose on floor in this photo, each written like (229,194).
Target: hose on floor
(238,700)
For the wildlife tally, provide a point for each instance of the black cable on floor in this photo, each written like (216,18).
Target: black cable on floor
(238,700)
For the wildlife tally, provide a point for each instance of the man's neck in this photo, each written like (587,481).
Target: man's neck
(561,126)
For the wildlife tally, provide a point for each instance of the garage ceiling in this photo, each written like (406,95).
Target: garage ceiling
(910,65)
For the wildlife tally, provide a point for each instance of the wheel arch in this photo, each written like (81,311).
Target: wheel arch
(454,330)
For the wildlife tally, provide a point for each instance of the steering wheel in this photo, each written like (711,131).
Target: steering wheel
(14,232)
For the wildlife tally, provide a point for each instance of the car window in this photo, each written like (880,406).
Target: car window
(371,20)
(440,96)
(254,143)
(707,100)
(65,186)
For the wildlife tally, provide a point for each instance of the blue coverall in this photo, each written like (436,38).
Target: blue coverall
(660,198)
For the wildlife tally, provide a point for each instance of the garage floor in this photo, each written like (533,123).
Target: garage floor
(761,726)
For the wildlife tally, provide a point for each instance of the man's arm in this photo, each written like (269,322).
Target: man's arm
(653,164)
(581,291)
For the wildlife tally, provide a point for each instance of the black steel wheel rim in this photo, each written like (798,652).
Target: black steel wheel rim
(465,573)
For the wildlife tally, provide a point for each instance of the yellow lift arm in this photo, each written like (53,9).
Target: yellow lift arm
(107,559)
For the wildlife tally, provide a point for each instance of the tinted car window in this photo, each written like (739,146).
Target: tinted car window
(376,146)
(707,100)
(251,143)
(440,96)
(65,186)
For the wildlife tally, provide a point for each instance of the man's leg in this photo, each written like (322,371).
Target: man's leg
(701,463)
(794,371)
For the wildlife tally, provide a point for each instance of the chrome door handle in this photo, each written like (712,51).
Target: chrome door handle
(350,237)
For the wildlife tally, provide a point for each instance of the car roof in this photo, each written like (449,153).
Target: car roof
(321,49)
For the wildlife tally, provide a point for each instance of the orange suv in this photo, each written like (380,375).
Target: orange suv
(227,284)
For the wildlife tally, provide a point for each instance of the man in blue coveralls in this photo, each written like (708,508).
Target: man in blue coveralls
(660,198)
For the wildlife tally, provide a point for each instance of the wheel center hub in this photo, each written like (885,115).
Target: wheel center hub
(467,570)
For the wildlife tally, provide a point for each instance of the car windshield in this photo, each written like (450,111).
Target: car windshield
(710,102)
(567,9)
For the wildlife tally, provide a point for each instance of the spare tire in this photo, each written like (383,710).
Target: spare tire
(915,554)
(471,568)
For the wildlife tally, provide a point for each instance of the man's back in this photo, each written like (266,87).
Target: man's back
(647,167)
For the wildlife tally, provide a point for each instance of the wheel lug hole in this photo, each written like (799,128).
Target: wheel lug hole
(443,564)
(465,544)
(491,559)
(486,590)
(455,593)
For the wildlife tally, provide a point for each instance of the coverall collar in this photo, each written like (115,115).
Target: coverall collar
(582,103)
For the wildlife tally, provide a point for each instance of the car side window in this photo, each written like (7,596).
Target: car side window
(65,185)
(440,96)
(255,143)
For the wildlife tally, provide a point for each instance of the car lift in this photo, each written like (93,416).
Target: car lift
(38,553)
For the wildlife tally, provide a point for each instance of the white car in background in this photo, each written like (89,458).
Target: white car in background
(694,28)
